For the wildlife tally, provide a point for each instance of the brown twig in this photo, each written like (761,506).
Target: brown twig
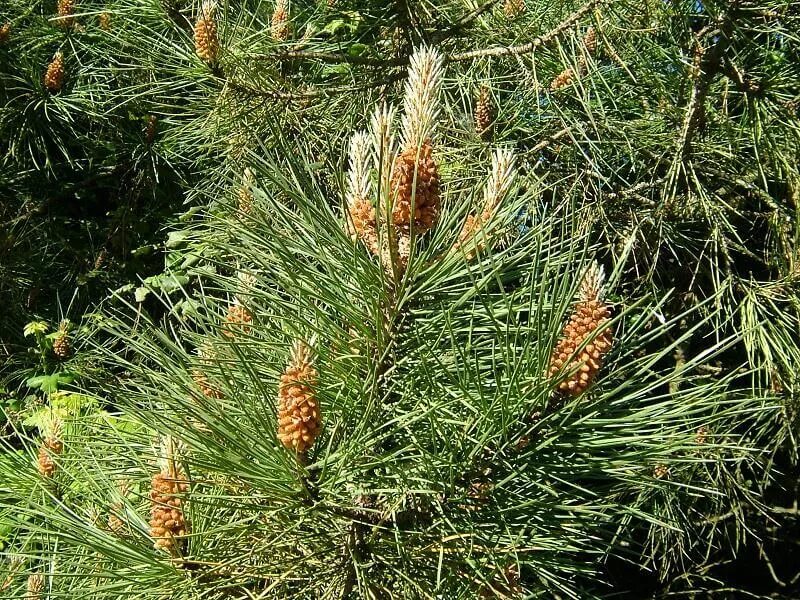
(535,42)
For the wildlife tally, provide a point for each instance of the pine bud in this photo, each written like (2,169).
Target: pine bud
(484,113)
(563,79)
(62,347)
(66,10)
(588,320)
(280,21)
(51,446)
(362,223)
(415,166)
(237,321)
(34,587)
(54,76)
(299,420)
(500,179)
(167,522)
(5,32)
(206,38)
(104,20)
(513,8)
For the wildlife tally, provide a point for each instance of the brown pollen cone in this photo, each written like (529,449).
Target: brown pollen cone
(484,113)
(280,22)
(206,38)
(362,215)
(66,10)
(588,320)
(415,165)
(299,419)
(51,446)
(167,523)
(5,32)
(590,40)
(513,8)
(150,129)
(54,75)
(563,79)
(104,20)
(62,347)
(208,389)
(238,320)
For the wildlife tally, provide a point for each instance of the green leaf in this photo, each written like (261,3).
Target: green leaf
(34,327)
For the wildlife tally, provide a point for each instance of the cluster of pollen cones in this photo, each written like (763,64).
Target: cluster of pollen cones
(586,338)
(409,181)
(567,76)
(54,75)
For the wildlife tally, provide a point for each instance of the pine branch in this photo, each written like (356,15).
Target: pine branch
(536,42)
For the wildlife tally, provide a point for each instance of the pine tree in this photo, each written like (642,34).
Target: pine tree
(381,360)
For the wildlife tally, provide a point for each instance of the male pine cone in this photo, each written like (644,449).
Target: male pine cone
(66,10)
(589,321)
(54,75)
(280,21)
(484,113)
(299,419)
(62,347)
(51,446)
(415,165)
(513,8)
(167,523)
(206,38)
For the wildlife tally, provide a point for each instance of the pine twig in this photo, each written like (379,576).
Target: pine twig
(535,42)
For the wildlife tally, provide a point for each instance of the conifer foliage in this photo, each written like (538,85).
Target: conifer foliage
(410,340)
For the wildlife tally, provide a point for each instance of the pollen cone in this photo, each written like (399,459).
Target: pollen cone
(167,521)
(54,75)
(206,38)
(299,420)
(589,320)
(415,165)
(51,446)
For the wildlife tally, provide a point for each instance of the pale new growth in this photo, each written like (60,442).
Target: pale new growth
(500,179)
(301,353)
(53,428)
(358,184)
(247,177)
(247,282)
(421,101)
(207,9)
(170,449)
(592,283)
(382,139)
